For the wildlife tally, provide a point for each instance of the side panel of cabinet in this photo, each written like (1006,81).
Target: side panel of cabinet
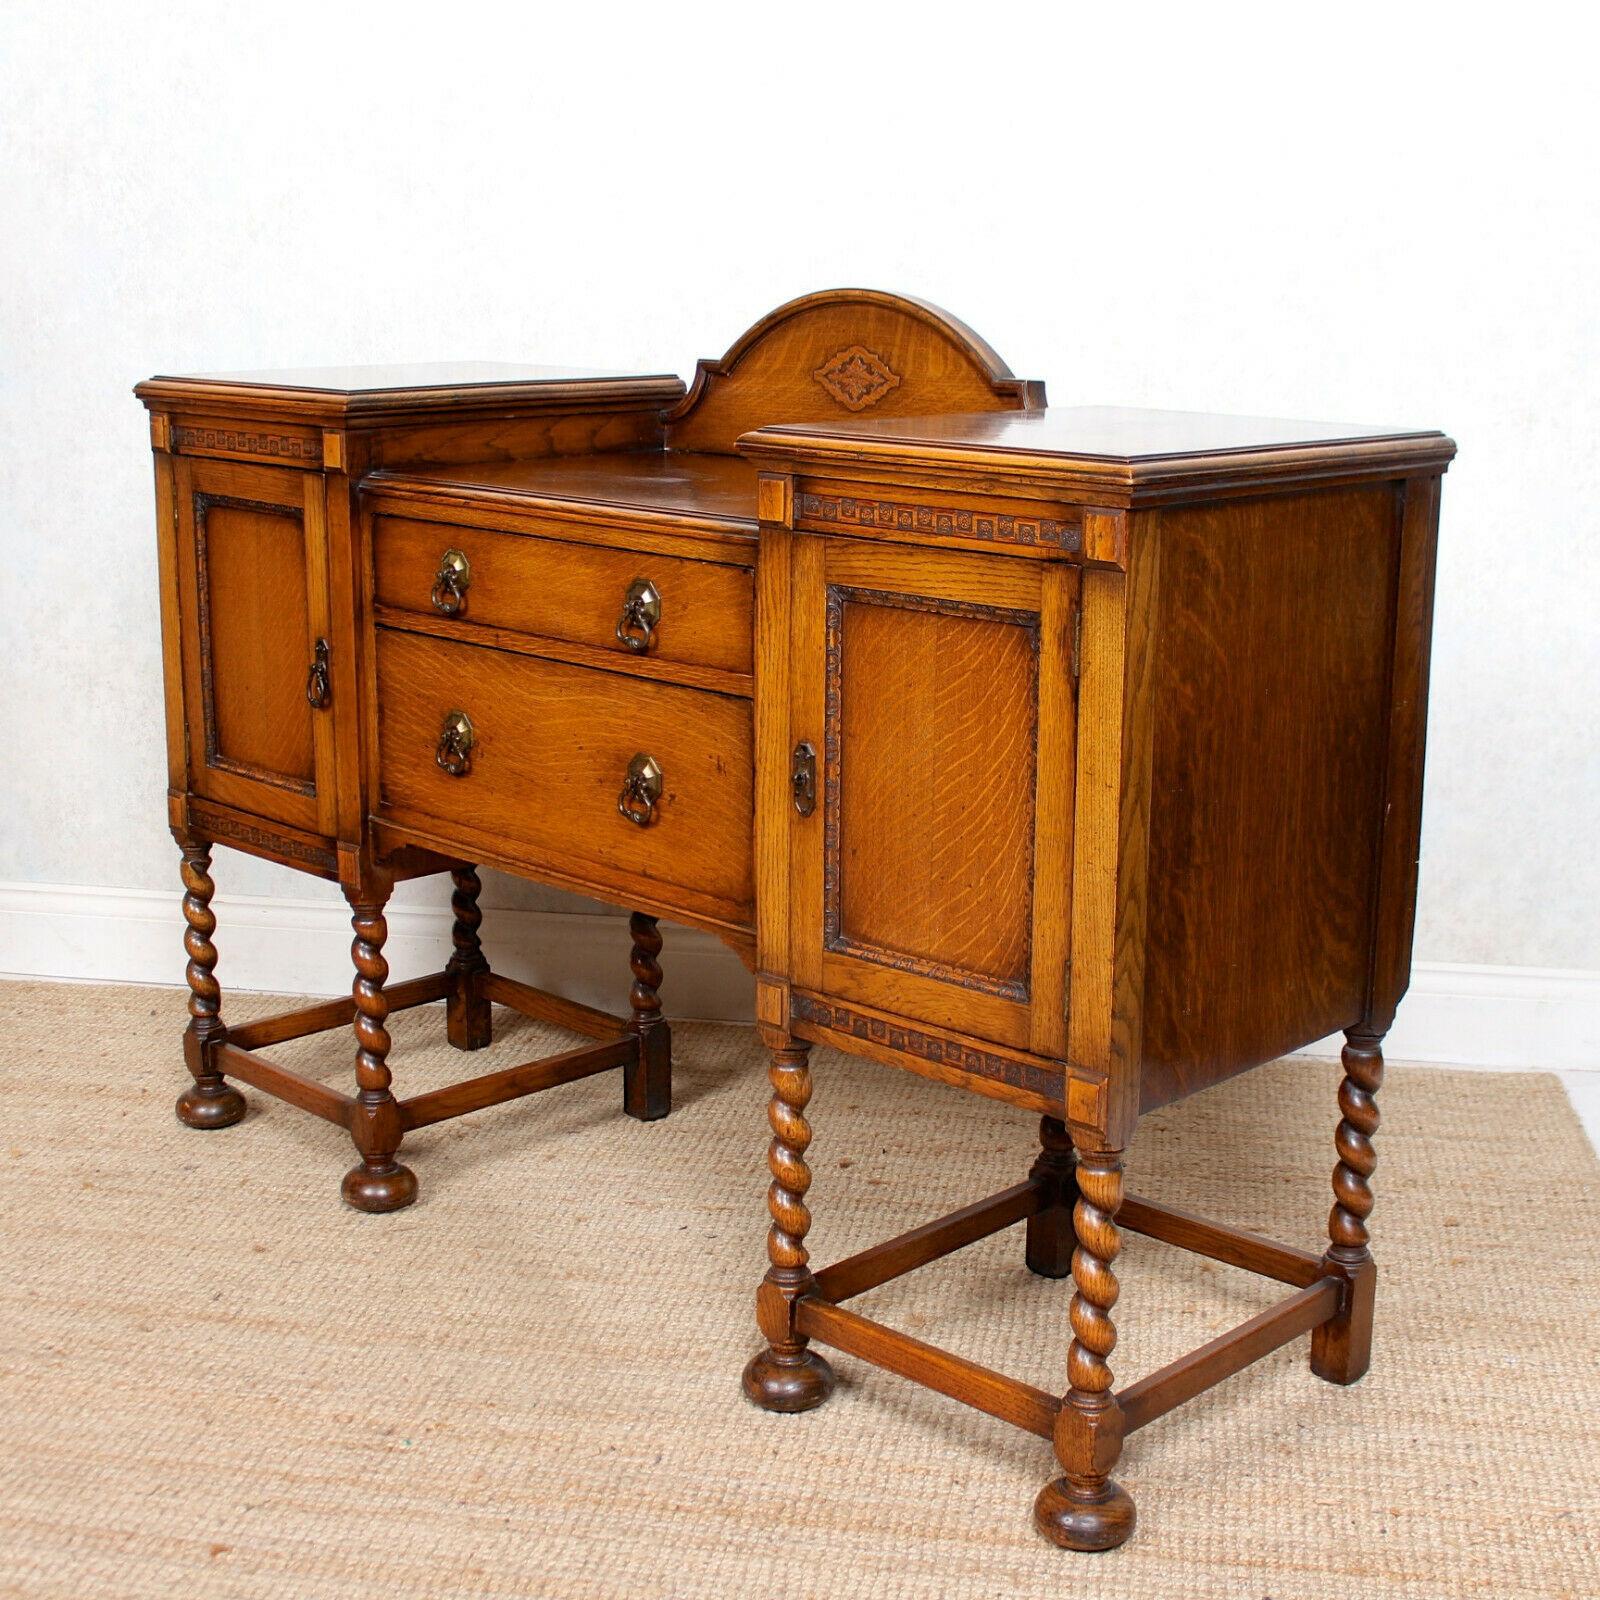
(253,596)
(931,879)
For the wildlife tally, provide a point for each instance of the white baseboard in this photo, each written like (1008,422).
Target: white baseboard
(302,946)
(1503,1017)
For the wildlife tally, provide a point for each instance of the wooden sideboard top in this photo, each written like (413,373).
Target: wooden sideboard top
(1079,448)
(716,491)
(346,394)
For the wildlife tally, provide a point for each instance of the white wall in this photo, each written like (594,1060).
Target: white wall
(1349,213)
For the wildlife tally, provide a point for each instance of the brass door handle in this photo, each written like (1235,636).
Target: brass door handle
(451,585)
(803,778)
(641,612)
(319,687)
(640,791)
(456,739)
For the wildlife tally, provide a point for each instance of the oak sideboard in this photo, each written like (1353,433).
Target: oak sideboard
(1070,756)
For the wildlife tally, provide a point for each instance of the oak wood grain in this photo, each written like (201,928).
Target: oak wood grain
(566,590)
(1270,733)
(559,791)
(839,353)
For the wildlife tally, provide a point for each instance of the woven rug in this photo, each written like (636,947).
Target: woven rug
(215,1380)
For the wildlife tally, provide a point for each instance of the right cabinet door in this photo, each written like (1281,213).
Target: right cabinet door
(932,693)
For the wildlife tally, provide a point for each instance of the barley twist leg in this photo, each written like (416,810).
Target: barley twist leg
(1049,1245)
(1341,1348)
(208,1102)
(377,1182)
(468,1023)
(647,1082)
(1084,1509)
(787,1375)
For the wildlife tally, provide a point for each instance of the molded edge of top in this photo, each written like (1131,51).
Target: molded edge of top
(1117,449)
(372,393)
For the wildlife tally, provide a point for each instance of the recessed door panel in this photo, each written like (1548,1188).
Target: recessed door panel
(932,726)
(256,616)
(934,689)
(254,600)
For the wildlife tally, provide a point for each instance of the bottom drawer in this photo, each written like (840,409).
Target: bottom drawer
(550,750)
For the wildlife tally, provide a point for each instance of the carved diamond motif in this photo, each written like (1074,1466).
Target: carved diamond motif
(857,377)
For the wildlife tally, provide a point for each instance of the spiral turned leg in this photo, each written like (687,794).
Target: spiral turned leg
(1341,1348)
(468,1024)
(787,1376)
(1084,1509)
(209,1102)
(647,1082)
(1048,1250)
(377,1182)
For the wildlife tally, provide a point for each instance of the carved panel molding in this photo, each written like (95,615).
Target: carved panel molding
(956,522)
(1051,1085)
(248,442)
(219,826)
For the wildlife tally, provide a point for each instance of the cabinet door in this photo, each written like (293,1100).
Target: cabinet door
(253,589)
(931,878)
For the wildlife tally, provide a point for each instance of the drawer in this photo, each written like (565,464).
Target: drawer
(551,747)
(560,589)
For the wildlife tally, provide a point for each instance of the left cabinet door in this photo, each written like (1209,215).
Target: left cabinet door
(253,597)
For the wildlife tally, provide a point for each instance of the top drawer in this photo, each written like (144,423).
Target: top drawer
(563,590)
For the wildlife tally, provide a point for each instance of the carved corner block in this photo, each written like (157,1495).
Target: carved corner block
(775,498)
(772,1009)
(1105,538)
(160,431)
(1086,1102)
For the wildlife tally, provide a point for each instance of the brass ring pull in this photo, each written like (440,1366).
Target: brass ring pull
(450,587)
(640,791)
(641,612)
(456,739)
(318,686)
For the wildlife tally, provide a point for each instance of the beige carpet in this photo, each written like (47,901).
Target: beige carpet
(217,1381)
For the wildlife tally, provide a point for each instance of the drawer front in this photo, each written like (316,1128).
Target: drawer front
(560,589)
(551,746)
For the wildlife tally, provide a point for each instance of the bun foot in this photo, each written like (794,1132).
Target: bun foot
(217,1105)
(1100,1519)
(788,1380)
(376,1189)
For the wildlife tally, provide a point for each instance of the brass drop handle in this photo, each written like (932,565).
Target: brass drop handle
(803,778)
(456,739)
(451,585)
(641,612)
(319,687)
(640,791)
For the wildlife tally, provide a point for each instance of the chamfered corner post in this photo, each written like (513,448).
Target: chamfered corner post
(647,1081)
(468,1020)
(210,1101)
(1084,1508)
(377,1182)
(1049,1243)
(1341,1348)
(787,1375)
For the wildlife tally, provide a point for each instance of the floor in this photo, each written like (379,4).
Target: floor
(217,1381)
